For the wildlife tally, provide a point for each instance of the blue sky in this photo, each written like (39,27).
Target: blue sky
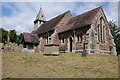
(20,15)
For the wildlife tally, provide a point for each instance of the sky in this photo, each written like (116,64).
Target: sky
(20,15)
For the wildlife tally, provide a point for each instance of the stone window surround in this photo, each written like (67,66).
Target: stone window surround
(79,37)
(102,31)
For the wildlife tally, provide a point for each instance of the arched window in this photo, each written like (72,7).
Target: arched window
(63,40)
(101,30)
(81,36)
(98,30)
(103,33)
(78,37)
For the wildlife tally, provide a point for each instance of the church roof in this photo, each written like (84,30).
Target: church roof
(76,22)
(31,38)
(40,15)
(80,21)
(49,25)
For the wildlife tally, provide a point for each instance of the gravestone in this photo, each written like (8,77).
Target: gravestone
(51,49)
(84,52)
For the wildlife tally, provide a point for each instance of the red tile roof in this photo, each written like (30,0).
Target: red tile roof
(80,21)
(31,38)
(50,25)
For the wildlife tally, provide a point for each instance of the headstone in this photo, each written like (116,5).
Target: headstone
(20,47)
(51,49)
(24,50)
(36,49)
(84,53)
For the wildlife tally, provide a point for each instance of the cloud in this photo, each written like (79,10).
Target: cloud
(87,6)
(110,9)
(60,0)
(24,13)
(22,17)
(113,11)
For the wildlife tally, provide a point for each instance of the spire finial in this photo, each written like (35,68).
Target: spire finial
(41,6)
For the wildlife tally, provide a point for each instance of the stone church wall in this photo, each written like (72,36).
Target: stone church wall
(59,27)
(77,46)
(55,37)
(103,46)
(43,40)
(69,40)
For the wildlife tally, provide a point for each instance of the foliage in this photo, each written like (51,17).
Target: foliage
(0,35)
(3,35)
(14,37)
(115,31)
(19,38)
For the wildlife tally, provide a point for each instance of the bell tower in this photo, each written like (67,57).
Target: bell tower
(40,19)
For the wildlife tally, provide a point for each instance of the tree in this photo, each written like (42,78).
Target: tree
(0,35)
(13,36)
(3,35)
(115,31)
(19,38)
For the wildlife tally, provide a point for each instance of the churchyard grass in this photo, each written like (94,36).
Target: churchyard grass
(65,65)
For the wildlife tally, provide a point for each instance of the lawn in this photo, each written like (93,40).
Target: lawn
(66,65)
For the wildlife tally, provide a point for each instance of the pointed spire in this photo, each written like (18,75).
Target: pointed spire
(40,19)
(40,15)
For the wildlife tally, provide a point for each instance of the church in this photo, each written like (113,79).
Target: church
(89,30)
